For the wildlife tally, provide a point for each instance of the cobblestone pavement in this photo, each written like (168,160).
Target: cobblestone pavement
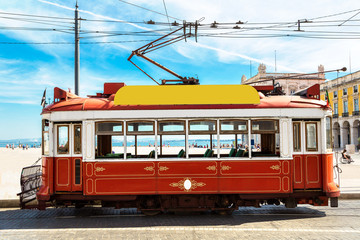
(268,222)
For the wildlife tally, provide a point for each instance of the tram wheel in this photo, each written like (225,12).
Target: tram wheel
(150,212)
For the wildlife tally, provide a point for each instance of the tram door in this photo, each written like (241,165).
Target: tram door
(307,158)
(68,157)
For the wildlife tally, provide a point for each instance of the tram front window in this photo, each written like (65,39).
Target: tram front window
(45,137)
(63,140)
(77,139)
(265,138)
(311,136)
(328,133)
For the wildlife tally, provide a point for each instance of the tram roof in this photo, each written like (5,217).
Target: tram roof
(117,96)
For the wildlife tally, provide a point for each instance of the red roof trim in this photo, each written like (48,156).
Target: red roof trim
(94,104)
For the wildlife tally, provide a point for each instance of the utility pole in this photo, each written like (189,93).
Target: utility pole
(275,62)
(77,54)
(250,69)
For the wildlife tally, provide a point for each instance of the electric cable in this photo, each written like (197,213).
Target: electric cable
(147,9)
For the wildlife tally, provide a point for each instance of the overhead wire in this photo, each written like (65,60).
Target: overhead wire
(56,43)
(204,30)
(32,28)
(147,9)
(336,14)
(349,19)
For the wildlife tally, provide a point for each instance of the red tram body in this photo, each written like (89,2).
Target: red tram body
(293,165)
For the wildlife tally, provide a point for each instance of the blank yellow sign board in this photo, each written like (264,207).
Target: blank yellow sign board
(186,95)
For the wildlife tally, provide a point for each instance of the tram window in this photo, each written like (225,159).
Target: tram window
(171,127)
(265,144)
(108,146)
(63,140)
(297,137)
(229,126)
(227,143)
(171,139)
(202,127)
(265,138)
(117,145)
(130,143)
(140,128)
(140,146)
(328,133)
(264,125)
(45,137)
(171,146)
(108,128)
(77,139)
(234,145)
(311,136)
(109,140)
(199,144)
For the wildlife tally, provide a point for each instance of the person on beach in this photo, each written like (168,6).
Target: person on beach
(347,157)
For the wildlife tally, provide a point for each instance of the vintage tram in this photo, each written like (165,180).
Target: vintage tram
(187,147)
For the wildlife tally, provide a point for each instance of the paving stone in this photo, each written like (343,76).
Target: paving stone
(268,222)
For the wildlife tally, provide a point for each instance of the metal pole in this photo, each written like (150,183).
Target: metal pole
(77,54)
(275,62)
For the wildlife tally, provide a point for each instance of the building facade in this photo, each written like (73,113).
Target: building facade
(290,82)
(343,94)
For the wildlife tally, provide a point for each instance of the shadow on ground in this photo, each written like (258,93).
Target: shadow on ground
(93,217)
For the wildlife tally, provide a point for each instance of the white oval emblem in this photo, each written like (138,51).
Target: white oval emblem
(187,184)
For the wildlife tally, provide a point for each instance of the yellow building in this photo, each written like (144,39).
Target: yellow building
(343,93)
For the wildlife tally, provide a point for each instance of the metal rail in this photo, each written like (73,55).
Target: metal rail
(30,182)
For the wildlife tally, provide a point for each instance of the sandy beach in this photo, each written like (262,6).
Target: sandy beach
(12,163)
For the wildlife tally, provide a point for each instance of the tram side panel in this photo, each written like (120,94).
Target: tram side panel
(120,178)
(255,176)
(188,177)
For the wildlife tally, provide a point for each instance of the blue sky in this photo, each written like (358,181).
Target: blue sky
(27,69)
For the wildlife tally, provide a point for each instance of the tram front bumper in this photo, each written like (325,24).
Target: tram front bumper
(43,194)
(332,190)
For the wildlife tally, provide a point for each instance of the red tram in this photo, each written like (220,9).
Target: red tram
(187,147)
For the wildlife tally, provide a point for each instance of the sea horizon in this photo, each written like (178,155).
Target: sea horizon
(143,143)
